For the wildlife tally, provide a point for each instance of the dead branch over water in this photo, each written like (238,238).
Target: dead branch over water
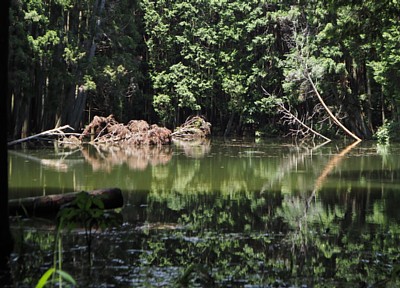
(49,133)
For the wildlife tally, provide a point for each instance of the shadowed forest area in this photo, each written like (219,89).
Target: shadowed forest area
(234,213)
(249,67)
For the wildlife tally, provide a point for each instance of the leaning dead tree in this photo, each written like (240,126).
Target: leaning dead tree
(331,115)
(305,66)
(301,129)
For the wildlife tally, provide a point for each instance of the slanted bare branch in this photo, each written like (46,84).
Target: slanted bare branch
(52,132)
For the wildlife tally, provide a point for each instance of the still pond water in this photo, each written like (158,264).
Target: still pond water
(236,213)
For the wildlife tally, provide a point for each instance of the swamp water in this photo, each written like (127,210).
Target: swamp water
(219,214)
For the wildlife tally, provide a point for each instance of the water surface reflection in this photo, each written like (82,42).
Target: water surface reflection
(230,214)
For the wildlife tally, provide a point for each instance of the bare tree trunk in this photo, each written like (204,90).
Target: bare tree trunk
(335,120)
(76,109)
(79,107)
(229,125)
(21,113)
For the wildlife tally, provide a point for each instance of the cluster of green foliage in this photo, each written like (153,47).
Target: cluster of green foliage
(388,132)
(210,57)
(229,60)
(219,58)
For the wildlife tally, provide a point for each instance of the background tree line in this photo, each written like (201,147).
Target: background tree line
(236,62)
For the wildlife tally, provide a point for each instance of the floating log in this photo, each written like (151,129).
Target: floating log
(50,204)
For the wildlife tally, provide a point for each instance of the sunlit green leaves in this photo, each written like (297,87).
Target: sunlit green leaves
(72,54)
(42,45)
(64,277)
(206,58)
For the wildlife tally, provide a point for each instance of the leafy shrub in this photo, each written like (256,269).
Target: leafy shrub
(388,132)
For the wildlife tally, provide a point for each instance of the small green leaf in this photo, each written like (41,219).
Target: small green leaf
(66,276)
(98,202)
(43,280)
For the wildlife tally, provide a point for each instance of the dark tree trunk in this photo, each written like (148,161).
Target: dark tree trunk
(6,241)
(229,125)
(75,105)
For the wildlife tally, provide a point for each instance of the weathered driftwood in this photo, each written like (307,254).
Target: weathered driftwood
(52,132)
(51,204)
(194,128)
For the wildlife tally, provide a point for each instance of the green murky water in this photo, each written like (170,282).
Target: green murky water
(223,214)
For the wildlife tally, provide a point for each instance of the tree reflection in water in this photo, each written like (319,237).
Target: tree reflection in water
(105,157)
(326,232)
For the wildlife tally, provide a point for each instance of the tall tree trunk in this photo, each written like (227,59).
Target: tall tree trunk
(6,241)
(76,109)
(21,112)
(229,125)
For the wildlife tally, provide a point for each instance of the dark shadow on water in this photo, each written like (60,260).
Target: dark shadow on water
(249,239)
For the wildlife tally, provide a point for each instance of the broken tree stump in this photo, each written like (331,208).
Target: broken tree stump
(49,205)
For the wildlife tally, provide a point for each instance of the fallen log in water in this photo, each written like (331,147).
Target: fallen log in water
(49,205)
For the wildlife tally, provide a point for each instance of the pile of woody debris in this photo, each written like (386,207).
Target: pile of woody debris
(194,128)
(106,130)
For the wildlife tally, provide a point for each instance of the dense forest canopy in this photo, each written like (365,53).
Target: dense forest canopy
(248,66)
